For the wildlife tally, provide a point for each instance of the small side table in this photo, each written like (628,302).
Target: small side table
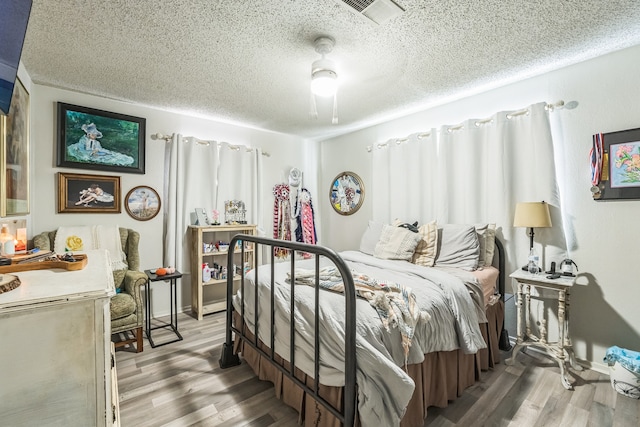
(560,350)
(172,278)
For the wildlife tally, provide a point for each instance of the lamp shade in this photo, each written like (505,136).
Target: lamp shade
(324,78)
(532,214)
(324,83)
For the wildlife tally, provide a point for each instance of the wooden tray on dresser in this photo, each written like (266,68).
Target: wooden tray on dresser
(38,262)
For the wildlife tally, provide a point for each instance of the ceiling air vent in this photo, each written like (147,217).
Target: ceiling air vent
(378,11)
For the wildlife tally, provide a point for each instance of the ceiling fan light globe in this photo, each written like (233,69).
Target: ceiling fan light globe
(324,83)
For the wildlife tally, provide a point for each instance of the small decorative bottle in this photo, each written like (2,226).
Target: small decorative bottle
(206,272)
(533,266)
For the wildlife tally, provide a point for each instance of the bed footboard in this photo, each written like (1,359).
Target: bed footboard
(346,415)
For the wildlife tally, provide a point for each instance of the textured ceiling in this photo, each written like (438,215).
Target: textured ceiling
(249,62)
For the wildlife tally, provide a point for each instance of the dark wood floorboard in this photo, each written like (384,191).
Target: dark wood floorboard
(181,384)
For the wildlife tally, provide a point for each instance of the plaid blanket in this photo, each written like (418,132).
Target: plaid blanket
(394,303)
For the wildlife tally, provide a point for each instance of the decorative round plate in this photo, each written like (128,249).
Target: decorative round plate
(142,203)
(346,193)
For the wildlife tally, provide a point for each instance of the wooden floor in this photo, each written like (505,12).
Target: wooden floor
(181,384)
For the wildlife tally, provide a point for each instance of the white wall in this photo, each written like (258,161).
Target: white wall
(286,152)
(604,305)
(604,238)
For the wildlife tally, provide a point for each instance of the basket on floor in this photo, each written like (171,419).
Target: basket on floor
(624,370)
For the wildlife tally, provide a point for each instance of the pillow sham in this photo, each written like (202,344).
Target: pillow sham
(396,243)
(458,247)
(370,237)
(427,248)
(487,240)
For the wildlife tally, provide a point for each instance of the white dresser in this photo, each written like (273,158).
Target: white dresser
(56,360)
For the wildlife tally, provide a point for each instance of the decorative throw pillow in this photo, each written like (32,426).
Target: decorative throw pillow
(396,243)
(370,237)
(487,240)
(458,246)
(427,248)
(74,239)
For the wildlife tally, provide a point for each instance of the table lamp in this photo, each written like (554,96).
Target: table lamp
(532,215)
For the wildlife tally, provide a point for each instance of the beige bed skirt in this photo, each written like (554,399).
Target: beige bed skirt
(441,378)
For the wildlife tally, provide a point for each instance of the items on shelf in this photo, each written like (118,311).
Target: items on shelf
(206,272)
(220,272)
(215,216)
(234,212)
(211,246)
(201,217)
(221,246)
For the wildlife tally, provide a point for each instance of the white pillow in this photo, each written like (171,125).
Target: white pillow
(370,237)
(458,246)
(487,240)
(426,251)
(396,243)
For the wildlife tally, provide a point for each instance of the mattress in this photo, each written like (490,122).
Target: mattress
(488,279)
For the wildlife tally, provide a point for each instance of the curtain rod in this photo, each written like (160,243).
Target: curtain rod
(168,138)
(548,106)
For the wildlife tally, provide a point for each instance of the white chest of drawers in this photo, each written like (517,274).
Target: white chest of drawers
(55,350)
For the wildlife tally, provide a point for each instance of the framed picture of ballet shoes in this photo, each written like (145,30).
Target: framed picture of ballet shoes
(79,193)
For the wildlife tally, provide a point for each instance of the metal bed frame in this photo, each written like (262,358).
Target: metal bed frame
(228,358)
(346,416)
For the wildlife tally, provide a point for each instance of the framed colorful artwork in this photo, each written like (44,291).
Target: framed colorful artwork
(79,193)
(100,140)
(142,203)
(14,155)
(620,175)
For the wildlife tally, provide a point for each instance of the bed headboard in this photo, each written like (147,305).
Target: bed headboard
(499,259)
(499,263)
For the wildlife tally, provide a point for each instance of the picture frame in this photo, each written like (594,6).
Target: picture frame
(142,203)
(346,193)
(80,193)
(100,140)
(201,217)
(14,155)
(620,177)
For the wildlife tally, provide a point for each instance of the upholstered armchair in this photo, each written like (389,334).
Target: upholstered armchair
(127,305)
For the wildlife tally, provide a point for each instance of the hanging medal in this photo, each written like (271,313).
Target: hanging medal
(596,158)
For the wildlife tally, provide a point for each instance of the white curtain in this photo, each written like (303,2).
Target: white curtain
(406,165)
(191,172)
(241,171)
(475,173)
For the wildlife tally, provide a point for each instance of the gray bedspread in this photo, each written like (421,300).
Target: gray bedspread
(452,298)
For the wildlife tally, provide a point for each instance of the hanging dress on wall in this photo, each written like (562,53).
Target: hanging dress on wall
(306,229)
(281,217)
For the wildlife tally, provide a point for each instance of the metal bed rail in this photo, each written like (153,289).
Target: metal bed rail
(227,359)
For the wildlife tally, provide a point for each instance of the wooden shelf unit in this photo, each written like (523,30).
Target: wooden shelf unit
(216,288)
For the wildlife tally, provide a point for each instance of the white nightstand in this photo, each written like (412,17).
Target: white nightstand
(560,350)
